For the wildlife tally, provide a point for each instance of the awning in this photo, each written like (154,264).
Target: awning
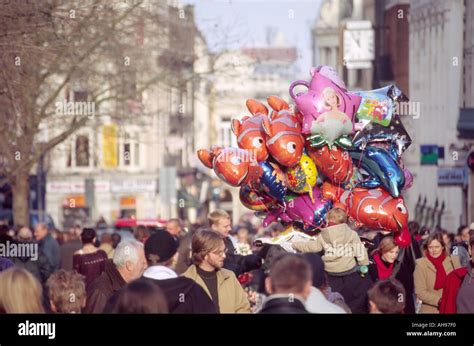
(466,123)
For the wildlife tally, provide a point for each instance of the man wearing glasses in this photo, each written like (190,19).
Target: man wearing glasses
(208,254)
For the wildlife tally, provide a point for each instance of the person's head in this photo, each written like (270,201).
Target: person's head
(88,236)
(463,233)
(243,235)
(140,297)
(4,229)
(208,250)
(24,234)
(67,292)
(317,269)
(141,233)
(174,227)
(471,246)
(331,99)
(446,237)
(41,231)
(116,239)
(414,227)
(106,238)
(435,245)
(336,216)
(388,250)
(387,297)
(161,249)
(20,292)
(129,258)
(219,221)
(290,274)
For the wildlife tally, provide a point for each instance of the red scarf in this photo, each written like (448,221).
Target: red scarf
(383,271)
(440,271)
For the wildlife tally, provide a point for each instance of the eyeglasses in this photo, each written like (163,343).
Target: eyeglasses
(220,253)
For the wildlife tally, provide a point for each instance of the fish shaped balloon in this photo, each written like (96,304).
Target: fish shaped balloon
(249,130)
(283,134)
(383,168)
(374,208)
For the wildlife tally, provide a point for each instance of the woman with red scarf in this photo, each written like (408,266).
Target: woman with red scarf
(387,261)
(431,272)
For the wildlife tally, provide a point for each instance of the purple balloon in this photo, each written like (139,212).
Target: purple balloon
(301,208)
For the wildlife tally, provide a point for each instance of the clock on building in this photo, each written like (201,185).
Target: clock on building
(358,43)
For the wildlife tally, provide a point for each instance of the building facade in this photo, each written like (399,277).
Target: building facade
(435,83)
(135,166)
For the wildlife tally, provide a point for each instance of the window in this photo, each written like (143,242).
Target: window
(129,150)
(79,151)
(126,154)
(225,136)
(82,151)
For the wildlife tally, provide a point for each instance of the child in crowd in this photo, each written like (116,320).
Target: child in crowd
(344,255)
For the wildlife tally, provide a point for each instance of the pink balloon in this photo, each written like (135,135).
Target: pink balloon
(311,213)
(324,95)
(329,72)
(408,179)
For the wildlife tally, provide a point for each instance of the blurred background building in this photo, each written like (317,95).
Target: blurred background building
(146,167)
(440,41)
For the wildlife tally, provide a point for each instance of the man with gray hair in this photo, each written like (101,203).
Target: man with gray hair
(128,264)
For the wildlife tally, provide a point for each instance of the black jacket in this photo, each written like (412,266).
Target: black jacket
(237,263)
(404,273)
(283,305)
(102,288)
(39,267)
(184,296)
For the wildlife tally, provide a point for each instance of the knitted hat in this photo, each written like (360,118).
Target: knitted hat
(161,244)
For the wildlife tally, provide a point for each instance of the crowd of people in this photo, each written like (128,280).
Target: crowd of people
(218,269)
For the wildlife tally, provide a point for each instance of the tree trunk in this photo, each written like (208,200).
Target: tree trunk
(20,190)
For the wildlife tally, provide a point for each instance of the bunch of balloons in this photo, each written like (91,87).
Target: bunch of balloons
(334,148)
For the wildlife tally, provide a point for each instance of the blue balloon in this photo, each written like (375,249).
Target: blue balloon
(383,169)
(273,181)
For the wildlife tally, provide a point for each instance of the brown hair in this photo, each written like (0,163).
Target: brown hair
(67,291)
(20,292)
(337,215)
(216,215)
(141,233)
(389,296)
(203,242)
(386,245)
(290,273)
(139,297)
(435,236)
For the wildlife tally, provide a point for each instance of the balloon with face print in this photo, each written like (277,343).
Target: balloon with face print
(283,134)
(249,130)
(325,95)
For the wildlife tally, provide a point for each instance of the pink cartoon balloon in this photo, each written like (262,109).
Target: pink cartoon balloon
(325,95)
